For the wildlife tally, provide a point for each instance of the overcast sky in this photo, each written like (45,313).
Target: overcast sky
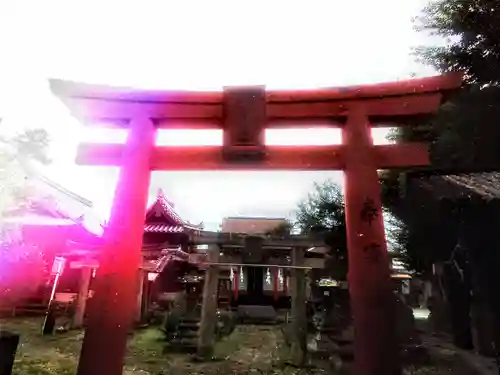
(196,45)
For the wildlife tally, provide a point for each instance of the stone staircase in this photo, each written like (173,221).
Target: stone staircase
(185,339)
(183,333)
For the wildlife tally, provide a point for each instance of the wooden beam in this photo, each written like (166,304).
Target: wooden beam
(206,334)
(72,89)
(140,297)
(276,157)
(85,108)
(212,158)
(328,110)
(299,318)
(236,239)
(81,299)
(401,98)
(201,115)
(307,264)
(402,155)
(446,82)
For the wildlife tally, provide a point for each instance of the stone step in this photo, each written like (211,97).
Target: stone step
(190,319)
(188,334)
(188,326)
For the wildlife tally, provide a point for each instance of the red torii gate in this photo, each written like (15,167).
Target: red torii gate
(243,114)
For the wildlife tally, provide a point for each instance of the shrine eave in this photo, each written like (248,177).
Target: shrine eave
(199,109)
(161,228)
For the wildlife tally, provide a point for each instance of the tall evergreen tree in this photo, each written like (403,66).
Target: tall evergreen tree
(465,132)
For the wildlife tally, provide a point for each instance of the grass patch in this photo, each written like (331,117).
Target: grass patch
(248,350)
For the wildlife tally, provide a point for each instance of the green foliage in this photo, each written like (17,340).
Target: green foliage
(464,135)
(465,132)
(283,230)
(323,212)
(471,29)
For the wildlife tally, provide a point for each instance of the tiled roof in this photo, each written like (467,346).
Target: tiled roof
(485,185)
(163,207)
(161,228)
(166,207)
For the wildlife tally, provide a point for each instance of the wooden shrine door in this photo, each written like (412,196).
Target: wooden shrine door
(244,113)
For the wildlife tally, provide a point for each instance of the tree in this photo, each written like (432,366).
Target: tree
(471,31)
(464,136)
(465,131)
(282,230)
(18,260)
(322,212)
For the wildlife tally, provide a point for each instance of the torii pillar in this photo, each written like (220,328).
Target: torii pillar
(244,114)
(372,304)
(113,307)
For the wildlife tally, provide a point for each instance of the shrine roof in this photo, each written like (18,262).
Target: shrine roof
(161,217)
(73,89)
(454,186)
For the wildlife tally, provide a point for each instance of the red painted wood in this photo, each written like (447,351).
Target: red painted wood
(369,275)
(369,263)
(236,279)
(380,107)
(211,116)
(275,283)
(111,312)
(444,82)
(389,101)
(211,157)
(64,88)
(244,118)
(277,157)
(104,108)
(401,155)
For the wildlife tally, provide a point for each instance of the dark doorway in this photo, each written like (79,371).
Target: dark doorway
(257,281)
(255,288)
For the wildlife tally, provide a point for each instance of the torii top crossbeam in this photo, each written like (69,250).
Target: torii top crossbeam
(243,114)
(244,148)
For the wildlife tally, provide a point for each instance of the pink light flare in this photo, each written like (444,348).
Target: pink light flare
(23,269)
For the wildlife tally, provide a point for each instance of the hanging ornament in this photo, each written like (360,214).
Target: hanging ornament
(242,277)
(231,274)
(280,277)
(268,276)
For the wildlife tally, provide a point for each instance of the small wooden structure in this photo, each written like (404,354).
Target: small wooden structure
(244,113)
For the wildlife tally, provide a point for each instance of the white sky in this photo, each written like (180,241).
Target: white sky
(196,45)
